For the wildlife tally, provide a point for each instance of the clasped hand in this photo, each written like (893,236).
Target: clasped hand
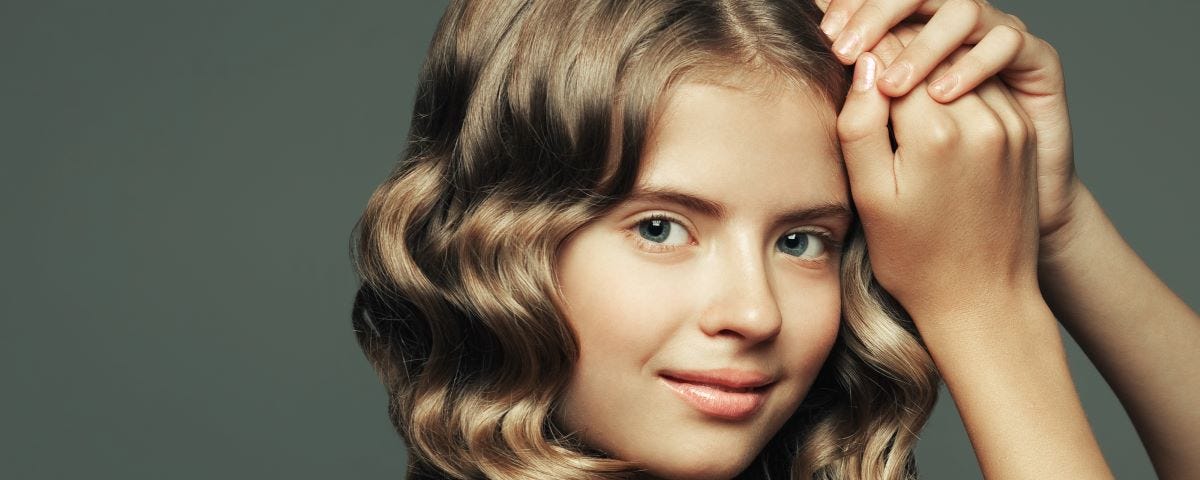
(952,214)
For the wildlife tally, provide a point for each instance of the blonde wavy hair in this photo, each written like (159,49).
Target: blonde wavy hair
(529,122)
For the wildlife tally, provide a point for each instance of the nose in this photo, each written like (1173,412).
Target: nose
(743,303)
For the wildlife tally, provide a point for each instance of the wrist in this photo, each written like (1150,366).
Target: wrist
(1055,244)
(997,315)
(986,345)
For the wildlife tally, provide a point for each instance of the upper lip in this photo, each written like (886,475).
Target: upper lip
(722,377)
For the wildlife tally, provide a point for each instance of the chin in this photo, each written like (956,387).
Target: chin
(705,469)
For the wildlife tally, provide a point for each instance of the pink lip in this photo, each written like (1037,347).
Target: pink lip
(725,393)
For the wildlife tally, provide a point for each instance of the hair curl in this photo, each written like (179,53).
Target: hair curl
(529,122)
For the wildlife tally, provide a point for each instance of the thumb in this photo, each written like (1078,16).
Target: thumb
(863,133)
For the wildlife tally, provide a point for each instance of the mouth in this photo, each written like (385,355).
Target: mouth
(724,394)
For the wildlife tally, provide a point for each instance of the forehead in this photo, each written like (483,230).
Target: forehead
(756,141)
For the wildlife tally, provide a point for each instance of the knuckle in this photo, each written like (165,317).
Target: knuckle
(872,11)
(1015,122)
(942,133)
(852,128)
(989,132)
(1016,133)
(970,7)
(1016,22)
(1008,33)
(1049,49)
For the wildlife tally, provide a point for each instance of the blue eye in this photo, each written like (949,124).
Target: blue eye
(802,244)
(662,230)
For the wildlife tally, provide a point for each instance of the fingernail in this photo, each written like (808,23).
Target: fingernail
(864,74)
(847,45)
(943,85)
(897,74)
(833,23)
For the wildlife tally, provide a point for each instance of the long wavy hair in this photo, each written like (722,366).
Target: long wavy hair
(529,122)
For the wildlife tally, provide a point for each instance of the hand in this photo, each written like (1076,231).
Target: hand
(950,215)
(1028,65)
(857,25)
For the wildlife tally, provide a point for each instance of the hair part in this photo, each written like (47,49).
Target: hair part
(529,122)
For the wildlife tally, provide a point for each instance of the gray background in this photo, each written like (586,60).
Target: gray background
(179,181)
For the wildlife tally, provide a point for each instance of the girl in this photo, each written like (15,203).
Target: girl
(621,242)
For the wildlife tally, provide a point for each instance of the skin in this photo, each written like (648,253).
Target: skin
(950,218)
(717,291)
(1142,337)
(975,42)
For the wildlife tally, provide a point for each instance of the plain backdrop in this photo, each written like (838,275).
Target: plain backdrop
(179,181)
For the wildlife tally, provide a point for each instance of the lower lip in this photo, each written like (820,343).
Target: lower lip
(716,402)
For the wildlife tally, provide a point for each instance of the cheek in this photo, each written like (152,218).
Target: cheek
(620,318)
(615,304)
(814,313)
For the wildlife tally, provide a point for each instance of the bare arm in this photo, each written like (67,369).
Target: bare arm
(1141,336)
(1006,369)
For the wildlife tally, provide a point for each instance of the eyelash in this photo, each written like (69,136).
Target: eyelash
(832,245)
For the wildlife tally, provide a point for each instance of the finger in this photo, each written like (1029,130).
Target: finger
(991,17)
(948,29)
(887,49)
(1008,112)
(892,44)
(868,24)
(863,22)
(921,124)
(1022,131)
(906,32)
(1001,48)
(1026,119)
(837,13)
(956,56)
(1016,170)
(1037,69)
(863,134)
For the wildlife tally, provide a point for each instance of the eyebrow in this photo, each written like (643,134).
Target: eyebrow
(716,209)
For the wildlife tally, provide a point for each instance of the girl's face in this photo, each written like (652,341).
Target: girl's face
(705,305)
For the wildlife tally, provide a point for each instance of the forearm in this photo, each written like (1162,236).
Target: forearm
(1141,336)
(1006,369)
